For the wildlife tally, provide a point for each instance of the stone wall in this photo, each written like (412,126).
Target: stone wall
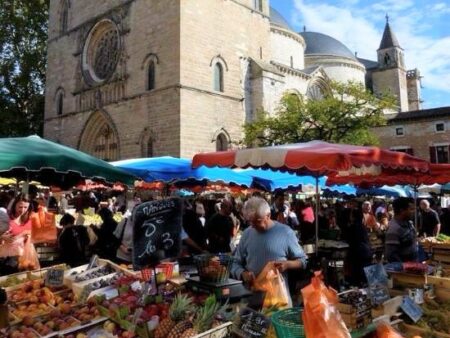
(418,135)
(216,31)
(393,80)
(286,45)
(136,113)
(337,68)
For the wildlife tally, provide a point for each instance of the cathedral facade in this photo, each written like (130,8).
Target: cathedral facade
(139,78)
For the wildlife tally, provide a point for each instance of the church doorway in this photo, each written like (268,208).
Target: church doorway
(99,138)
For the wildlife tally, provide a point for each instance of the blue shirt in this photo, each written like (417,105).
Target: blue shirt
(256,249)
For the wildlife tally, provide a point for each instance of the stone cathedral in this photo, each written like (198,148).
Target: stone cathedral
(139,78)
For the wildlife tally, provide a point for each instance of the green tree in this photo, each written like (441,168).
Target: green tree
(344,114)
(23,44)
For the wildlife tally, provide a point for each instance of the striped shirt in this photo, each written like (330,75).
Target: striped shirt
(401,242)
(256,249)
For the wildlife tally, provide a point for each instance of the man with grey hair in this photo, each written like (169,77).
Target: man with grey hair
(265,241)
(429,223)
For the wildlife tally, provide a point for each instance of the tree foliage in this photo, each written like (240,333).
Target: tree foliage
(23,43)
(345,114)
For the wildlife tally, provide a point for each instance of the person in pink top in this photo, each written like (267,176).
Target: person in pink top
(20,220)
(308,213)
(18,233)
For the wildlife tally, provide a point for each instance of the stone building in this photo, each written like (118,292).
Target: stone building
(132,78)
(422,133)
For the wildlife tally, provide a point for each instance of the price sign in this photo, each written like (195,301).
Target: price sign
(251,324)
(156,231)
(54,278)
(412,310)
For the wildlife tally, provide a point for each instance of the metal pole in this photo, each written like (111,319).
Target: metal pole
(416,190)
(317,214)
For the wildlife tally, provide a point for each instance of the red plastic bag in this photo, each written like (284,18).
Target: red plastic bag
(29,260)
(320,316)
(271,281)
(43,227)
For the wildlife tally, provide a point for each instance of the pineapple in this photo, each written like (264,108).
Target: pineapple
(179,329)
(177,313)
(204,319)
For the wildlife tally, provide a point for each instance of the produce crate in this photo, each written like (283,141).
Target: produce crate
(78,287)
(222,331)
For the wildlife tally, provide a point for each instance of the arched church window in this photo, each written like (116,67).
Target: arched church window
(150,147)
(151,76)
(387,59)
(222,143)
(315,92)
(218,77)
(64,16)
(259,5)
(60,103)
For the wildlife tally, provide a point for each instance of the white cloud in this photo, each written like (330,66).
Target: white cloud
(361,27)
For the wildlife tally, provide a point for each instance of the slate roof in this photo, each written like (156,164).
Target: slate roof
(389,39)
(277,19)
(368,64)
(441,112)
(321,44)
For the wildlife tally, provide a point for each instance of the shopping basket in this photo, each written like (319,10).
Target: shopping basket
(288,323)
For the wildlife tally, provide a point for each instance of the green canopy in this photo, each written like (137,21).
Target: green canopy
(34,158)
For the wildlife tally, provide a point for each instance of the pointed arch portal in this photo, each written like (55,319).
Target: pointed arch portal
(100,138)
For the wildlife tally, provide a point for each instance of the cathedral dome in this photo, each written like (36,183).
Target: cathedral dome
(321,44)
(277,19)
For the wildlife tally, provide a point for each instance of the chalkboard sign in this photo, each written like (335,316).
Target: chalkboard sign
(156,231)
(54,278)
(411,309)
(251,324)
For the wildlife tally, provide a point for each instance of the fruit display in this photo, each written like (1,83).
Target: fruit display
(31,310)
(86,313)
(133,309)
(65,298)
(436,316)
(107,329)
(22,332)
(98,272)
(16,280)
(33,292)
(53,322)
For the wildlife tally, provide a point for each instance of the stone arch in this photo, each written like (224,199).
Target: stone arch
(100,137)
(222,139)
(151,57)
(150,69)
(147,143)
(219,59)
(58,100)
(64,16)
(317,88)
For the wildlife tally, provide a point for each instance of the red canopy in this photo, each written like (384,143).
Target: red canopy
(439,173)
(315,157)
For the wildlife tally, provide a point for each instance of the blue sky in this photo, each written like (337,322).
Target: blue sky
(421,26)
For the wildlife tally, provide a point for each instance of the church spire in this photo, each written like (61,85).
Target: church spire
(389,39)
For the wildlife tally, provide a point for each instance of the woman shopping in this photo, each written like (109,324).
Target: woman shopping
(22,254)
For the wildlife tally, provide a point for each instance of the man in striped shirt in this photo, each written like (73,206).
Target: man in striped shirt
(266,241)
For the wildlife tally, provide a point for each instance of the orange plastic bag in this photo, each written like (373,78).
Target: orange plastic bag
(320,316)
(29,260)
(386,331)
(271,281)
(43,227)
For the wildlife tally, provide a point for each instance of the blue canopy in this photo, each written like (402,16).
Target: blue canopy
(270,180)
(394,191)
(170,169)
